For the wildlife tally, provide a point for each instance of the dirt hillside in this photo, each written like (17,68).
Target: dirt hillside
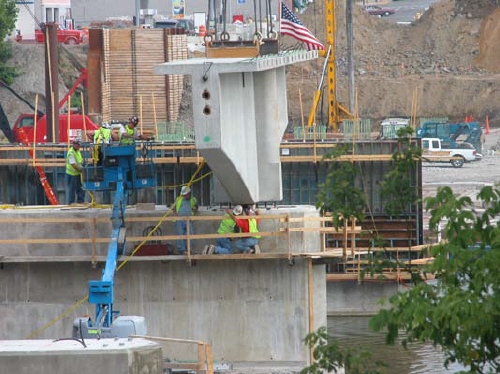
(450,57)
(449,61)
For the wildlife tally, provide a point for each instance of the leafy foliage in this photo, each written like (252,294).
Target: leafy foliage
(400,191)
(398,182)
(329,357)
(339,194)
(8,17)
(461,311)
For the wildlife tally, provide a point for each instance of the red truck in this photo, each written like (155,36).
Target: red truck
(63,36)
(71,126)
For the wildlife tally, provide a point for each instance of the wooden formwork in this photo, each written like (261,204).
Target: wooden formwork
(122,80)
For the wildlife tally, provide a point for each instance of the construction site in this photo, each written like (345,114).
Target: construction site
(230,123)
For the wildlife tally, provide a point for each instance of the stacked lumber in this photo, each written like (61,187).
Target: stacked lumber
(128,83)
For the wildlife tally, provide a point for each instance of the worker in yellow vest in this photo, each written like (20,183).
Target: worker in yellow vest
(74,168)
(129,133)
(245,220)
(224,245)
(101,137)
(185,205)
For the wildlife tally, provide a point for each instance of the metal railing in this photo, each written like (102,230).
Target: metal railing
(203,362)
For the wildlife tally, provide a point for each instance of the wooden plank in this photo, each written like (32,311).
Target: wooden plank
(90,258)
(243,51)
(355,158)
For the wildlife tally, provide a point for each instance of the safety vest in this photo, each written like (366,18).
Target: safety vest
(178,203)
(252,224)
(130,132)
(226,226)
(78,158)
(102,136)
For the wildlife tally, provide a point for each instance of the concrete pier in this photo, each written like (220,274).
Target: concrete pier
(250,309)
(124,356)
(240,115)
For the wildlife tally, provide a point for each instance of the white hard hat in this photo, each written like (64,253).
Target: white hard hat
(185,190)
(238,209)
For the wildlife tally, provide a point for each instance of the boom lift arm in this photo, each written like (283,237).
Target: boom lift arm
(101,291)
(120,173)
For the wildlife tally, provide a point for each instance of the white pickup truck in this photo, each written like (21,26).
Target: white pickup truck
(432,151)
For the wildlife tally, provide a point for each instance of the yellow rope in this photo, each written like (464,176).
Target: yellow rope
(95,153)
(65,314)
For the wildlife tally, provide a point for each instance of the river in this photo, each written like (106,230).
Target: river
(417,359)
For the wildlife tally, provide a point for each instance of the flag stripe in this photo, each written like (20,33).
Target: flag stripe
(291,25)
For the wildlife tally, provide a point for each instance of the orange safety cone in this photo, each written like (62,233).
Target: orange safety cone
(202,30)
(487,125)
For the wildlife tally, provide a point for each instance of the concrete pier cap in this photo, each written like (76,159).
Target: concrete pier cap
(85,357)
(240,115)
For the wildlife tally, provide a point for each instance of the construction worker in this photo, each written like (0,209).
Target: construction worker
(253,226)
(74,168)
(129,133)
(223,246)
(249,244)
(185,205)
(101,137)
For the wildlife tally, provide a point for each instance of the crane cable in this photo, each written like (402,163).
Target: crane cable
(84,299)
(39,24)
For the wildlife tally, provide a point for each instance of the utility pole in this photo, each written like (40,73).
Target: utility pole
(51,82)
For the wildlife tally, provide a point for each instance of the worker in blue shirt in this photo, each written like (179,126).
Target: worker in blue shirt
(185,205)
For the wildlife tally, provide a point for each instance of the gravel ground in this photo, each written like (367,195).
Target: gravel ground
(471,177)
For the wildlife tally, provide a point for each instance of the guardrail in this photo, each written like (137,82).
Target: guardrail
(53,155)
(88,241)
(203,363)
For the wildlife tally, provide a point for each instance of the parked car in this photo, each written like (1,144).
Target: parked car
(185,24)
(376,10)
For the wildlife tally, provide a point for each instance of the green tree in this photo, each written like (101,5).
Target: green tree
(329,357)
(8,17)
(460,312)
(399,183)
(401,193)
(339,194)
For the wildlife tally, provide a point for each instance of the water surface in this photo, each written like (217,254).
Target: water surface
(417,359)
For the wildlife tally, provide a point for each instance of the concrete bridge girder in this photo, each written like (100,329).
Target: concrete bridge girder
(240,115)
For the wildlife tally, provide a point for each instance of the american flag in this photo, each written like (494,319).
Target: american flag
(291,25)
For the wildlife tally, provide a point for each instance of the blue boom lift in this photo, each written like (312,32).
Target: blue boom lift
(121,171)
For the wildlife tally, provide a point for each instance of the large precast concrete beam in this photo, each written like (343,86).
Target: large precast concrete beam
(240,115)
